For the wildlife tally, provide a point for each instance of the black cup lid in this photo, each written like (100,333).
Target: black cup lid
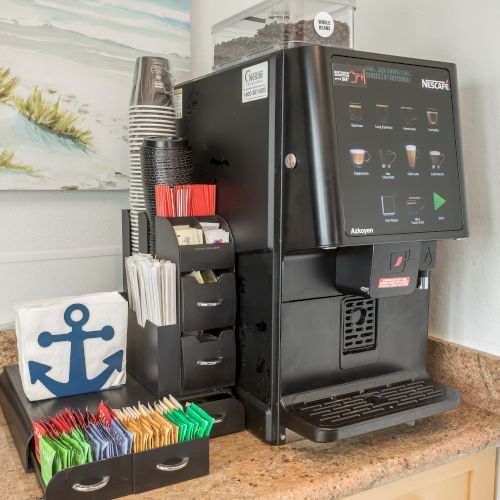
(165,141)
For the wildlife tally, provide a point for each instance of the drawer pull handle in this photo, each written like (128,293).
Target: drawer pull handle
(210,304)
(209,362)
(218,419)
(173,467)
(89,488)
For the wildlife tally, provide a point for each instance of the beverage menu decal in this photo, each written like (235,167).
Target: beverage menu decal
(397,154)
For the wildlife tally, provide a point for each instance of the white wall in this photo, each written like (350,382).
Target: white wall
(465,295)
(58,243)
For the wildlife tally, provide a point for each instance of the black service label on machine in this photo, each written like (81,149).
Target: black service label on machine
(396,148)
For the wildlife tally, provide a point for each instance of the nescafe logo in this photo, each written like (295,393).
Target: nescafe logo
(253,76)
(435,84)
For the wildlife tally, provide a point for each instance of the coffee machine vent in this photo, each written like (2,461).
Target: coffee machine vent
(358,325)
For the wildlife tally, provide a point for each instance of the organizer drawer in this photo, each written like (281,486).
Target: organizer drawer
(206,256)
(212,305)
(208,364)
(128,474)
(103,479)
(170,464)
(228,413)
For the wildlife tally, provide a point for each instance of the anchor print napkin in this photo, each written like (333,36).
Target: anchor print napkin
(72,345)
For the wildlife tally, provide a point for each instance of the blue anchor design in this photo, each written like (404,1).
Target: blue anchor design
(78,382)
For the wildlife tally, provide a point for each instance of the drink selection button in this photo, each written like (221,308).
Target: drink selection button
(439,201)
(398,260)
(388,204)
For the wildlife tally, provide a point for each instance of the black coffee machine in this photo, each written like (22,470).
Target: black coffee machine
(337,171)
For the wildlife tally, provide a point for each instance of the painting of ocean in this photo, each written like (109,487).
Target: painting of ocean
(66,70)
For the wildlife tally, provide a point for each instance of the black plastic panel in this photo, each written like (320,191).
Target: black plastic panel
(193,257)
(359,325)
(379,115)
(345,415)
(147,349)
(170,464)
(313,213)
(208,364)
(118,472)
(309,276)
(207,306)
(216,128)
(227,411)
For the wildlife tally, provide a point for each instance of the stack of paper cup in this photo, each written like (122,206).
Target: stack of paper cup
(151,113)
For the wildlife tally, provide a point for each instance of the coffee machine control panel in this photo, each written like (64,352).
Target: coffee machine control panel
(396,148)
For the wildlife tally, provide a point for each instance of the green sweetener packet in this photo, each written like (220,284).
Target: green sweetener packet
(78,455)
(181,425)
(50,462)
(203,414)
(192,426)
(64,453)
(77,435)
(202,423)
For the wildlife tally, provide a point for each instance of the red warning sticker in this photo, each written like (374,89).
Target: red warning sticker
(397,282)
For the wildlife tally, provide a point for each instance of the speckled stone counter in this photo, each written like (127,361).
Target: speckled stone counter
(241,466)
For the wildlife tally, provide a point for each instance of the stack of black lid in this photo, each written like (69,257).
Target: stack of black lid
(164,160)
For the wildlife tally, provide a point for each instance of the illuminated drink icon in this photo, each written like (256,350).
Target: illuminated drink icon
(437,159)
(383,112)
(387,157)
(432,116)
(356,111)
(359,157)
(388,204)
(411,155)
(409,114)
(415,205)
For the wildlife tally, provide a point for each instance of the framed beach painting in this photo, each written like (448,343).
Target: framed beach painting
(66,70)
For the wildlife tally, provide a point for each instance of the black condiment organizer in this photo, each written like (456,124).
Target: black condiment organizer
(195,359)
(160,361)
(103,479)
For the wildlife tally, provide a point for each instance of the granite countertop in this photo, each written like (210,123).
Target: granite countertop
(242,466)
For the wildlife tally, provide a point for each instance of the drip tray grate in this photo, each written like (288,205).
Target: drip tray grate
(416,398)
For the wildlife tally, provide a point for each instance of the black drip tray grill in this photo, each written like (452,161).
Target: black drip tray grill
(358,324)
(346,415)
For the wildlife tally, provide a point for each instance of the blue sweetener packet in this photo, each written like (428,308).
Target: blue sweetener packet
(119,439)
(94,444)
(110,449)
(129,436)
(103,443)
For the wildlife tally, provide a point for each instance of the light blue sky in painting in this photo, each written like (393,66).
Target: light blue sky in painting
(145,25)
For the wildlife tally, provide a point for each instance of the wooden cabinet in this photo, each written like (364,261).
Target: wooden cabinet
(470,478)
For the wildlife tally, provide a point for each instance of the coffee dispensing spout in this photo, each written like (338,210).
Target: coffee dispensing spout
(385,270)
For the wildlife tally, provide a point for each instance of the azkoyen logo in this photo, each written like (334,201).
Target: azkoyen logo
(361,231)
(435,84)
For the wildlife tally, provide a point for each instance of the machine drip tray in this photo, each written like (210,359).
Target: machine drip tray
(345,415)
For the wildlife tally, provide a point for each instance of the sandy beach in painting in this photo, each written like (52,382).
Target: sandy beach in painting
(84,52)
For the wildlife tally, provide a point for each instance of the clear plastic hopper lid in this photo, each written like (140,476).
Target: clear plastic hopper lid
(272,24)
